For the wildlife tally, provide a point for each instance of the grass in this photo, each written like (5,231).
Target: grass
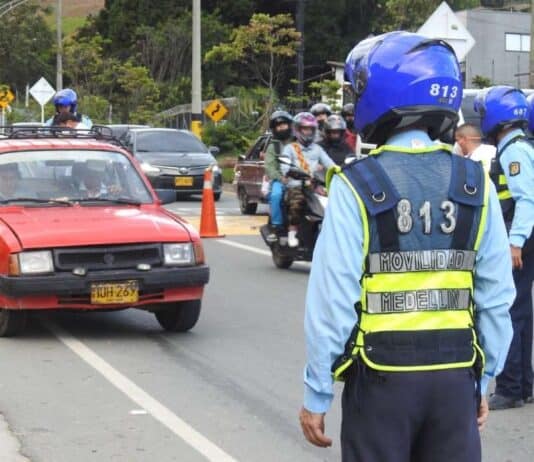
(71,24)
(228,174)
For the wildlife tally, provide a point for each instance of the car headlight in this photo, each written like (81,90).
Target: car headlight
(216,169)
(178,254)
(38,262)
(149,169)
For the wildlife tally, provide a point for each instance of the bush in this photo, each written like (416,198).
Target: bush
(229,138)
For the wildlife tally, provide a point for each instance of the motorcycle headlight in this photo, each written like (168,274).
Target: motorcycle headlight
(39,262)
(178,254)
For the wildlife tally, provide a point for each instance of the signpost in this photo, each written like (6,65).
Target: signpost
(6,97)
(216,110)
(42,92)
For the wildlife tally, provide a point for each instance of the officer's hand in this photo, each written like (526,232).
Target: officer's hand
(483,412)
(313,428)
(517,261)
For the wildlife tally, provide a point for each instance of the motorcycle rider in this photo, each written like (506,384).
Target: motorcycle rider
(334,141)
(351,136)
(281,124)
(66,101)
(321,112)
(309,157)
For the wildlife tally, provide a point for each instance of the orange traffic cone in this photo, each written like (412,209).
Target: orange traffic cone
(208,218)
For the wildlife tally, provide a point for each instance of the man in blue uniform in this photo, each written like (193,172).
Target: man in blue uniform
(504,113)
(411,279)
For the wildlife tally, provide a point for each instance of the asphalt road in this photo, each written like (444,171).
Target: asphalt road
(114,387)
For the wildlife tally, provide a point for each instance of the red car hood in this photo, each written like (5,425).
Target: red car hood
(83,226)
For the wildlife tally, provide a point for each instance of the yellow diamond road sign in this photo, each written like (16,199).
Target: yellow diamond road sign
(6,97)
(216,110)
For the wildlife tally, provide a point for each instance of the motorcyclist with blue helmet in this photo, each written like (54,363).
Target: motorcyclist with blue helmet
(504,113)
(66,100)
(411,276)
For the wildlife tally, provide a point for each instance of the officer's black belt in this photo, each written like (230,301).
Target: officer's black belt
(422,260)
(418,300)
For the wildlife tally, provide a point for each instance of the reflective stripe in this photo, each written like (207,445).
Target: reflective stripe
(422,260)
(502,180)
(418,300)
(426,149)
(503,195)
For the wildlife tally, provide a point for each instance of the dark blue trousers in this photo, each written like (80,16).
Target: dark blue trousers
(410,416)
(515,381)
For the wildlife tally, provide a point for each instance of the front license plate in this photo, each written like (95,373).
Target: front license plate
(183,181)
(110,293)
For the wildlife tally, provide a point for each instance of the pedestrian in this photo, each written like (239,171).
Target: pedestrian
(411,277)
(504,115)
(468,139)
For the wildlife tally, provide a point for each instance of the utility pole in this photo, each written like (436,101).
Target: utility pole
(196,91)
(531,66)
(301,6)
(59,56)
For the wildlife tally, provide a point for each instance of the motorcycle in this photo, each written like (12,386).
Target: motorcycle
(315,202)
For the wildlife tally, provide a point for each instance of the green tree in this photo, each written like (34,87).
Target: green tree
(479,81)
(26,46)
(263,46)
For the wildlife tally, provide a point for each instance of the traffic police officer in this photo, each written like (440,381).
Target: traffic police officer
(504,113)
(411,279)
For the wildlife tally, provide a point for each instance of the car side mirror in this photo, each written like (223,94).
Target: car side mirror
(166,196)
(214,150)
(242,157)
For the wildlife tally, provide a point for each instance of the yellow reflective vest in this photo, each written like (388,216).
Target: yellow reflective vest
(416,309)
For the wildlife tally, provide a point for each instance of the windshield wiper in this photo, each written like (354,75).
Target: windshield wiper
(118,200)
(37,201)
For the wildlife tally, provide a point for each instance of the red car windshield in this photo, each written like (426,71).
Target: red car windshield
(70,175)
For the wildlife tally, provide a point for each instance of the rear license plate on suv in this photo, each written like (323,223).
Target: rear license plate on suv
(110,293)
(183,181)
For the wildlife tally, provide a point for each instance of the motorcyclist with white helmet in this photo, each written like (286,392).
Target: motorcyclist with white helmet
(321,111)
(309,157)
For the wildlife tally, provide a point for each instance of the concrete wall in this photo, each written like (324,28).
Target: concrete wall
(489,57)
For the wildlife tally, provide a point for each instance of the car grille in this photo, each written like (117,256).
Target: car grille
(107,258)
(187,171)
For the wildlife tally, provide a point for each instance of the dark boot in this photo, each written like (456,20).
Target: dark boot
(500,402)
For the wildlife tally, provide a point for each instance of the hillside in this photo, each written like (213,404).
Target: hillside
(78,8)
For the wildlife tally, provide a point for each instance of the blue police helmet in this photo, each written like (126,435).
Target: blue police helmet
(500,107)
(66,97)
(404,80)
(530,101)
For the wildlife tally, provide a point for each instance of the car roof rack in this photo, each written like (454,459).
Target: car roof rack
(96,132)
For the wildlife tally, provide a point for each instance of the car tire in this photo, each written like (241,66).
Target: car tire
(217,196)
(12,322)
(279,260)
(179,316)
(246,207)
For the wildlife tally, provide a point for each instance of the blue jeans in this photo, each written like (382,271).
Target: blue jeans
(275,201)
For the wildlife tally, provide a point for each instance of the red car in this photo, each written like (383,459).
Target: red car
(82,229)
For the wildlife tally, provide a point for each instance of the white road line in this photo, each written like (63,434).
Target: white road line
(244,247)
(161,413)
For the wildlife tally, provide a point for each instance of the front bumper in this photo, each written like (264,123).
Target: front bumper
(67,284)
(167,182)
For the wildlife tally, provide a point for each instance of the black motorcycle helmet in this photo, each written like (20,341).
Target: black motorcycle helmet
(279,118)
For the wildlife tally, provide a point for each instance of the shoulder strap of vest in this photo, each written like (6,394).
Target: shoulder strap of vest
(379,196)
(467,190)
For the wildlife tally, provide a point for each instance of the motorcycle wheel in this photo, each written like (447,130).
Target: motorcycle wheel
(281,261)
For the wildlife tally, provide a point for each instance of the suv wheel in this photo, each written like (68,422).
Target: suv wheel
(12,322)
(246,207)
(179,316)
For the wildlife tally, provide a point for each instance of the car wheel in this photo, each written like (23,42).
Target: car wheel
(217,196)
(12,322)
(281,261)
(179,316)
(246,207)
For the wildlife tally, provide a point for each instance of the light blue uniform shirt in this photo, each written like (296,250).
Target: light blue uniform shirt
(519,156)
(334,287)
(314,154)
